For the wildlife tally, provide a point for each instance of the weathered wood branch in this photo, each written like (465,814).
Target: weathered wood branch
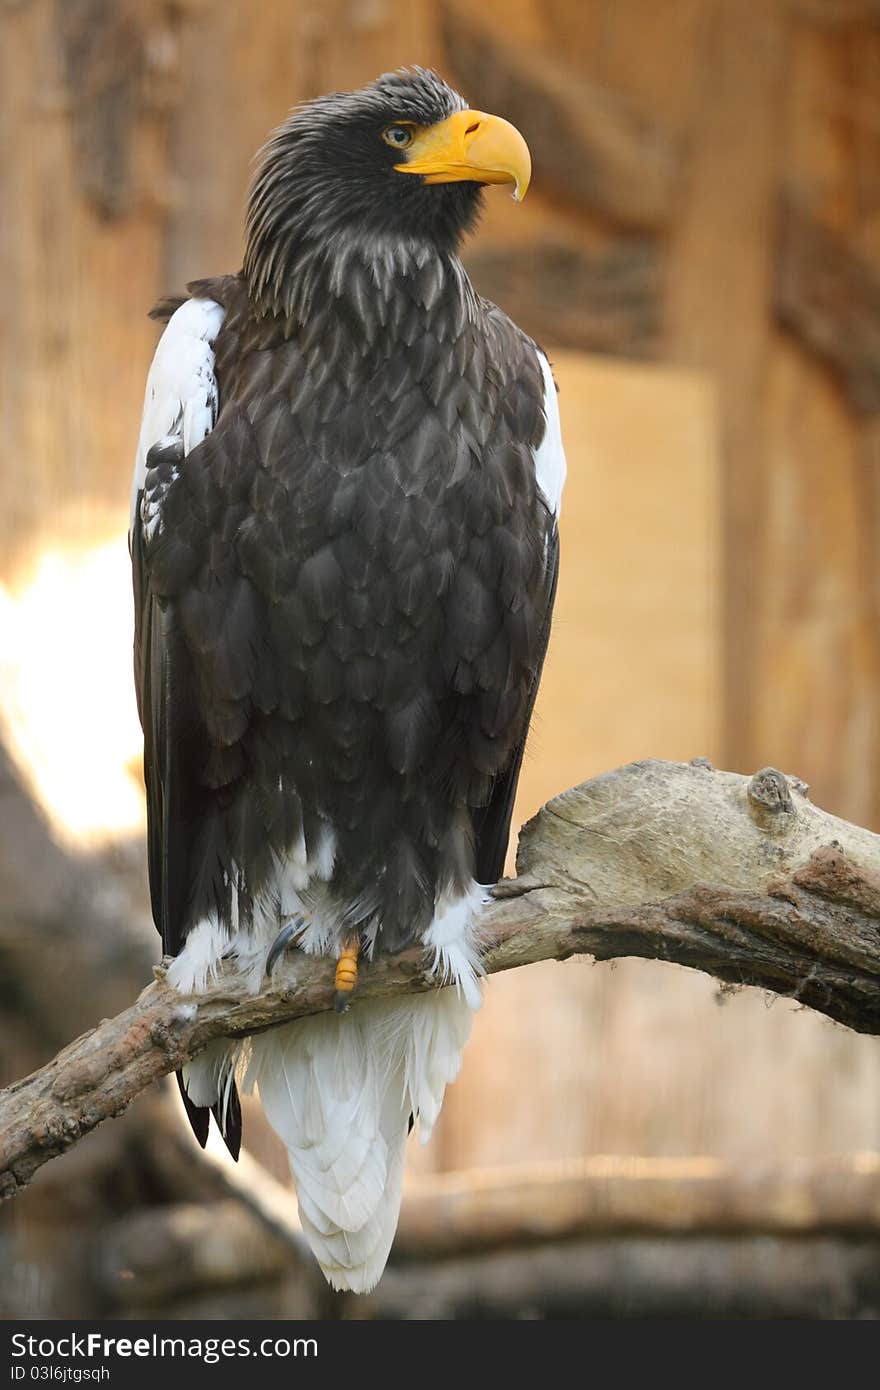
(741,878)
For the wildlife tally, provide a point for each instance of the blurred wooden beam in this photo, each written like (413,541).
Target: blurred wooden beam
(452,1213)
(718,287)
(607,301)
(740,877)
(74,936)
(158,1253)
(590,145)
(829,298)
(87,91)
(640,1277)
(838,14)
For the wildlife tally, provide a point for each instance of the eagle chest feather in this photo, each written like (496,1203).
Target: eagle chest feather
(357,561)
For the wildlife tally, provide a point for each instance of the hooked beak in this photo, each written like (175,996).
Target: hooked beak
(471,146)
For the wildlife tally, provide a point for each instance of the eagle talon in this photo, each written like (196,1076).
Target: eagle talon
(346,976)
(288,933)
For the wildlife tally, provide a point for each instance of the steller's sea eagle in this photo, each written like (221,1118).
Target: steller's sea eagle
(344,545)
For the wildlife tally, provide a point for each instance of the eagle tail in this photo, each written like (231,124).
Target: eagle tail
(341,1092)
(207,1087)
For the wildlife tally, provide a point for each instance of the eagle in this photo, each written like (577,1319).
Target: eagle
(344,549)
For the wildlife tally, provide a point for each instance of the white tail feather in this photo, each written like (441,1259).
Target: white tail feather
(339,1092)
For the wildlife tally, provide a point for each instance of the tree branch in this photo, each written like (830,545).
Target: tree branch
(741,878)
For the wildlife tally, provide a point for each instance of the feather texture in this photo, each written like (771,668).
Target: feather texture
(344,546)
(550,465)
(180,401)
(339,1091)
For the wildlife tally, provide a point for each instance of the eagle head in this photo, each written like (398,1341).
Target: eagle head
(403,158)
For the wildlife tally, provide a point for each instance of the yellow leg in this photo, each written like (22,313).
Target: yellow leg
(346,975)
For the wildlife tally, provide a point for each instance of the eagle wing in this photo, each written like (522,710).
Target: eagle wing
(180,410)
(492,821)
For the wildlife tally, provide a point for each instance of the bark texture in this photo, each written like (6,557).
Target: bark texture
(742,878)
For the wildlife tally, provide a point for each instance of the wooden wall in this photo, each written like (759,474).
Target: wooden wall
(690,158)
(707,204)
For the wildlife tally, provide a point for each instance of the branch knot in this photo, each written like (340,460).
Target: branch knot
(770,803)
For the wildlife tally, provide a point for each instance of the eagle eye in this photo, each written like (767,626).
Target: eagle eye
(399,137)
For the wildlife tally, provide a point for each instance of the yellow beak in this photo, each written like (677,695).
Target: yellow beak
(471,147)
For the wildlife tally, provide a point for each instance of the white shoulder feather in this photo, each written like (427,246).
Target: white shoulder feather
(550,465)
(180,403)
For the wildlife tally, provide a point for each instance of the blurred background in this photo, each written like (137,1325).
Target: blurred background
(700,253)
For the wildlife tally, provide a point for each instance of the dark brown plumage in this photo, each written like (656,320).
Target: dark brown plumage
(355,599)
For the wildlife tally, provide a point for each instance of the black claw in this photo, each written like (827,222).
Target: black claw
(342,1000)
(288,933)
